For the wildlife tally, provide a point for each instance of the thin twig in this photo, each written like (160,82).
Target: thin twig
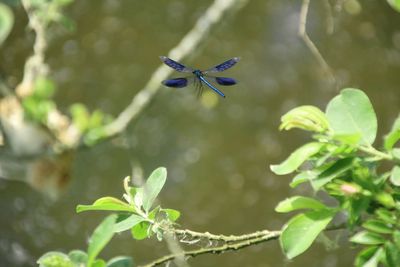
(223,238)
(218,249)
(330,26)
(189,43)
(309,43)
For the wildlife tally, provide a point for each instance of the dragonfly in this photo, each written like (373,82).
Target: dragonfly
(199,76)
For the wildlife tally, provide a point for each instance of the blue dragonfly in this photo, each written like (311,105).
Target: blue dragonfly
(198,77)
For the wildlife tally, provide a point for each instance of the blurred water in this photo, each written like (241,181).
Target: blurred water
(218,159)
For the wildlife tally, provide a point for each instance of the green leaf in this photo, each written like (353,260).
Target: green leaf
(393,136)
(396,238)
(351,112)
(121,261)
(298,157)
(98,263)
(44,88)
(6,22)
(385,199)
(172,214)
(78,257)
(141,231)
(303,177)
(378,226)
(334,171)
(367,238)
(395,176)
(106,203)
(153,186)
(100,237)
(55,259)
(395,4)
(301,231)
(386,216)
(365,255)
(392,254)
(128,223)
(299,202)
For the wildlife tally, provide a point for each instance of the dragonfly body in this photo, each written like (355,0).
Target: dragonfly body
(198,76)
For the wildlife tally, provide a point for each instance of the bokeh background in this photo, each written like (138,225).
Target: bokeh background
(217,157)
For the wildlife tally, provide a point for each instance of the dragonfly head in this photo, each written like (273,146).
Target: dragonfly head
(197,73)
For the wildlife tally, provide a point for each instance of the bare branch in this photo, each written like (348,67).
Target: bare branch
(309,43)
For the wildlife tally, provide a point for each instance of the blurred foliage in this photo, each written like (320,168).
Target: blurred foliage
(6,22)
(342,162)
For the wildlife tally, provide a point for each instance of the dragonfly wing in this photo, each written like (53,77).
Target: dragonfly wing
(176,83)
(225,81)
(175,65)
(223,66)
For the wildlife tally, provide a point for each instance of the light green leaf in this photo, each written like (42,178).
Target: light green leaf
(153,186)
(106,203)
(392,254)
(334,171)
(98,263)
(395,176)
(303,177)
(298,157)
(6,22)
(100,237)
(301,231)
(121,261)
(172,214)
(365,255)
(141,230)
(128,223)
(351,112)
(367,238)
(55,259)
(299,202)
(395,4)
(386,216)
(307,118)
(78,257)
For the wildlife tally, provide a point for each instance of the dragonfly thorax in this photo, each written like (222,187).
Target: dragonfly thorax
(197,73)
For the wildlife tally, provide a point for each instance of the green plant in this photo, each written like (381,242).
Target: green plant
(99,239)
(342,162)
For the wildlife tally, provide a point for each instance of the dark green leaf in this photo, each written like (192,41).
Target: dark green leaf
(378,226)
(141,231)
(6,22)
(301,231)
(334,171)
(106,203)
(299,202)
(298,157)
(55,259)
(351,112)
(367,238)
(128,223)
(100,237)
(395,176)
(121,261)
(153,186)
